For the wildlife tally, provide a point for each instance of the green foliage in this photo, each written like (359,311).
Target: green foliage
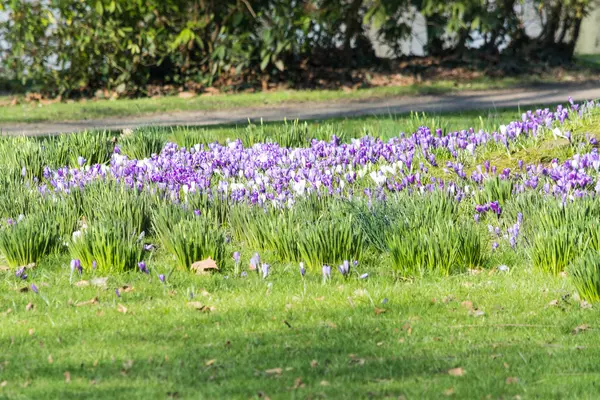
(110,243)
(330,241)
(28,238)
(585,275)
(142,143)
(440,249)
(188,237)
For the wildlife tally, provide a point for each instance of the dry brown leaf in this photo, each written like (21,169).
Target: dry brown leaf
(205,266)
(186,95)
(210,362)
(298,383)
(67,375)
(467,304)
(580,328)
(29,307)
(50,359)
(408,328)
(379,310)
(314,364)
(562,274)
(82,284)
(4,268)
(476,313)
(102,281)
(512,379)
(324,383)
(449,392)
(87,303)
(127,289)
(553,303)
(274,371)
(31,331)
(456,372)
(121,308)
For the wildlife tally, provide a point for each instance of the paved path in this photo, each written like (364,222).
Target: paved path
(523,97)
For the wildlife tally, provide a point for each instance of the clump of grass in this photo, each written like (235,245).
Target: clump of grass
(105,200)
(189,237)
(96,147)
(330,241)
(585,274)
(495,189)
(108,243)
(142,143)
(553,250)
(27,239)
(439,249)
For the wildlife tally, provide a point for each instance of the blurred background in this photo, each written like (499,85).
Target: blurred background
(125,48)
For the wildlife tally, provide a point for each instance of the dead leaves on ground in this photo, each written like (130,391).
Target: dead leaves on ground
(204,267)
(196,305)
(579,329)
(456,371)
(87,303)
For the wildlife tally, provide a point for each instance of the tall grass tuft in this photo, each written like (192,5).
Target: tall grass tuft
(27,239)
(110,244)
(188,237)
(142,143)
(585,274)
(330,241)
(440,249)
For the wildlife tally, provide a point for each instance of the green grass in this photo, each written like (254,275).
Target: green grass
(76,111)
(331,341)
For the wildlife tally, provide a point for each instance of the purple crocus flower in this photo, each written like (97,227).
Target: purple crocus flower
(364,276)
(265,270)
(344,268)
(117,292)
(197,212)
(143,268)
(94,264)
(76,265)
(236,257)
(161,278)
(148,247)
(34,288)
(20,273)
(302,270)
(81,161)
(243,274)
(326,272)
(254,262)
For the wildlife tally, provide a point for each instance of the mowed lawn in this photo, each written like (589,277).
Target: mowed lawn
(492,335)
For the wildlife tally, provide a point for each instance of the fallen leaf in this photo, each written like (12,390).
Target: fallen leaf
(3,383)
(379,310)
(562,274)
(31,331)
(121,308)
(320,298)
(580,328)
(467,304)
(4,268)
(476,313)
(512,379)
(82,284)
(87,303)
(210,362)
(406,327)
(127,289)
(456,371)
(99,281)
(298,383)
(449,392)
(314,363)
(553,303)
(324,383)
(67,375)
(128,364)
(585,305)
(29,307)
(5,313)
(274,371)
(50,359)
(186,95)
(474,271)
(205,266)
(28,266)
